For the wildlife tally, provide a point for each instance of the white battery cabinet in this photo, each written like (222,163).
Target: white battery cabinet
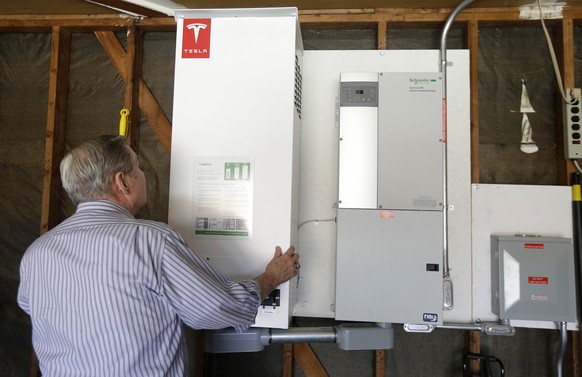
(235,142)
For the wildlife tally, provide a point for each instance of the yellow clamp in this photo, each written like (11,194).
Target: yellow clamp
(576,196)
(123,129)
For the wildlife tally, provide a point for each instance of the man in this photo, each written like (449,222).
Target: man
(108,294)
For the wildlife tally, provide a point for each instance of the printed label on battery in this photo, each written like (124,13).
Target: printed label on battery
(269,310)
(537,279)
(533,245)
(539,297)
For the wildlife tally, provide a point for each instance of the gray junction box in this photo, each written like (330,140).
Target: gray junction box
(533,278)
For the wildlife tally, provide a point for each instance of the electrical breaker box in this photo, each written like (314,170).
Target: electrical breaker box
(390,216)
(235,142)
(533,278)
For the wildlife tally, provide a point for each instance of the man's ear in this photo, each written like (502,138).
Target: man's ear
(119,182)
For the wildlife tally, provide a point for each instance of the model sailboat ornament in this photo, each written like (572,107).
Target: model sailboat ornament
(527,143)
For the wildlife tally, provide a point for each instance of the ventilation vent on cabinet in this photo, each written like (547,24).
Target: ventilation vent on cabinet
(297,87)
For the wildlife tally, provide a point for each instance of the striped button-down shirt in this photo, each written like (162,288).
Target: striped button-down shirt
(108,296)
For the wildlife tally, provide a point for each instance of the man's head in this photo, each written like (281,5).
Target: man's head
(104,168)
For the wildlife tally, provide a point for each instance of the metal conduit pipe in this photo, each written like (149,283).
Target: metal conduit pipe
(563,345)
(349,337)
(448,302)
(303,335)
(489,328)
(460,326)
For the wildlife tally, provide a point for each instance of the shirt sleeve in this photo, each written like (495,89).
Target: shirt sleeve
(201,296)
(22,297)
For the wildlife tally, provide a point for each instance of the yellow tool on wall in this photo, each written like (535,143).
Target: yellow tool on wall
(123,123)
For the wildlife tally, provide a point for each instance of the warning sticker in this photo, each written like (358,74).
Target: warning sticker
(537,279)
(533,245)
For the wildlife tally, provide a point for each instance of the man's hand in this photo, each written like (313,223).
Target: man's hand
(282,267)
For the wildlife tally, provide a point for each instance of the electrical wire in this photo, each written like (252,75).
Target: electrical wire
(553,55)
(315,221)
(572,100)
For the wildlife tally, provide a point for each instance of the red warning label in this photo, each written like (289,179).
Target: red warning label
(537,279)
(533,245)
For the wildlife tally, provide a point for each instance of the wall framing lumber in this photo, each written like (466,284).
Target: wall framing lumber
(382,36)
(571,361)
(287,360)
(565,57)
(473,344)
(114,50)
(379,363)
(575,361)
(34,369)
(147,102)
(199,354)
(55,129)
(473,338)
(54,138)
(155,116)
(307,360)
(473,46)
(133,68)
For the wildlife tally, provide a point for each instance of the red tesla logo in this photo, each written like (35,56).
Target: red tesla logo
(196,38)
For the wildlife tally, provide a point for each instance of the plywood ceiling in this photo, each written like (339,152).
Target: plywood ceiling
(85,7)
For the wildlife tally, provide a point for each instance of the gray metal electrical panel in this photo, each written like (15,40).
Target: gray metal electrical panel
(533,278)
(389,266)
(410,141)
(390,219)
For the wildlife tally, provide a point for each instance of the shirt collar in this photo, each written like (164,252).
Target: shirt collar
(103,205)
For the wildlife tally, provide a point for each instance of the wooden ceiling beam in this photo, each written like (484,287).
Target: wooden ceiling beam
(75,23)
(412,15)
(403,16)
(130,8)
